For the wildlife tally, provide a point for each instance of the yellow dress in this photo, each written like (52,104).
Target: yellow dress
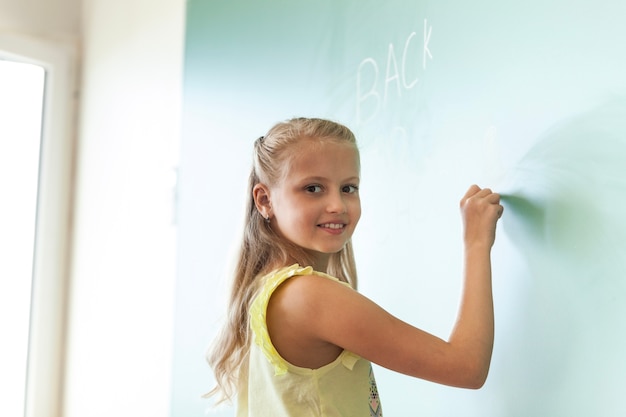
(269,386)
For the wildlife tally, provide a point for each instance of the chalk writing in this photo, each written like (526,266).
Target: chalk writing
(398,76)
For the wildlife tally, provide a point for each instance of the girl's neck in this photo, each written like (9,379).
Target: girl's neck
(319,261)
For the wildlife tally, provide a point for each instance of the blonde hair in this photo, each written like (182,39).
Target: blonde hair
(262,250)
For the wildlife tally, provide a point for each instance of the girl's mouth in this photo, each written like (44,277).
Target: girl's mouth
(335,226)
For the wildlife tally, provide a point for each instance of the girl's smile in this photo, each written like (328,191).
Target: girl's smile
(333,227)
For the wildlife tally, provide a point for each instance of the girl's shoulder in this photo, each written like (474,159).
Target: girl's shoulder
(274,279)
(271,281)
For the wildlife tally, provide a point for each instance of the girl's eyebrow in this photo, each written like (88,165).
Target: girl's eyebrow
(313,179)
(322,179)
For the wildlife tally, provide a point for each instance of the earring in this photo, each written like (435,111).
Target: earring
(265,217)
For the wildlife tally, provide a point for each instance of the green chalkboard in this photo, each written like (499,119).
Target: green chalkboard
(527,98)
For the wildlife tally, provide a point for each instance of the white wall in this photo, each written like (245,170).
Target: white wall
(121,310)
(46,19)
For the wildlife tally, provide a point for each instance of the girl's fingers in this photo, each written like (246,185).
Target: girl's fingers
(471,191)
(485,194)
(493,198)
(476,192)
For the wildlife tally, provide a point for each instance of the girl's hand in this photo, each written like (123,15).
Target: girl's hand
(481,210)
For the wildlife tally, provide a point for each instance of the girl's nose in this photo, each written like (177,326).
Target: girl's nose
(336,203)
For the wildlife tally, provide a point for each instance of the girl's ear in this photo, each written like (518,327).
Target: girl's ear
(261,195)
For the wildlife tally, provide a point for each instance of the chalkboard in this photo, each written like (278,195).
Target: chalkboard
(526,98)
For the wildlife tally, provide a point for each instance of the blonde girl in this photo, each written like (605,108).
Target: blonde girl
(299,339)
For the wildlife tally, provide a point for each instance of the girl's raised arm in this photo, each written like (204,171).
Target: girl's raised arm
(309,315)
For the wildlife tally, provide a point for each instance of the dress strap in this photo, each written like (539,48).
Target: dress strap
(258,311)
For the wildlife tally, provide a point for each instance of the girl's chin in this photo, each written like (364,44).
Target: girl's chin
(325,251)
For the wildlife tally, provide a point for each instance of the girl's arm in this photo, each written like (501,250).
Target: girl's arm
(474,328)
(309,316)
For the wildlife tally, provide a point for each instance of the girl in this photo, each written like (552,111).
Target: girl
(299,339)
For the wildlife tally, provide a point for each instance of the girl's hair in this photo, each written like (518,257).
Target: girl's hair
(262,250)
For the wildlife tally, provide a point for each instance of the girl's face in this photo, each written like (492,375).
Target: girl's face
(317,204)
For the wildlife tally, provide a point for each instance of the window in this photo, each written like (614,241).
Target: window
(36,160)
(21,101)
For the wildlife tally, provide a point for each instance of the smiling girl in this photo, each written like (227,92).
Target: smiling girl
(299,339)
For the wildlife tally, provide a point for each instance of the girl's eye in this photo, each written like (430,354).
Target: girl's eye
(313,188)
(350,189)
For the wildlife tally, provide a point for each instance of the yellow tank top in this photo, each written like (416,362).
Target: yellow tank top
(269,386)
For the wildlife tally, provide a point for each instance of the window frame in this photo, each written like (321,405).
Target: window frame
(51,263)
